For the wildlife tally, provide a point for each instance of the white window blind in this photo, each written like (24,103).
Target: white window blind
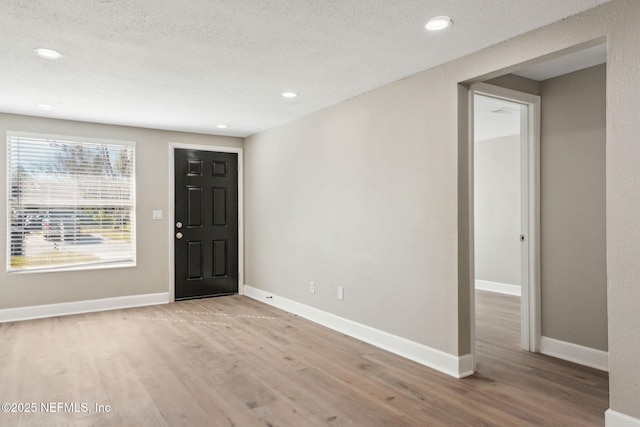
(71,203)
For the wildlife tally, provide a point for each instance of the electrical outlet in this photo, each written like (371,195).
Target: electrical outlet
(340,293)
(313,287)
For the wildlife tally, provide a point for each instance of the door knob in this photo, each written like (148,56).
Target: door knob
(178,235)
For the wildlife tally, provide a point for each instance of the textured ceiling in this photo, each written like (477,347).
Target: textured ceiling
(191,64)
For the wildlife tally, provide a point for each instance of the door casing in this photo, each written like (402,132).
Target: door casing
(171,217)
(530,211)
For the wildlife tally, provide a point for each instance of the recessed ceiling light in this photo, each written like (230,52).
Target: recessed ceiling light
(222,126)
(438,23)
(289,94)
(44,107)
(48,53)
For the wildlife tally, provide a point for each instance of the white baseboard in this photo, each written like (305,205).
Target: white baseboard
(586,356)
(456,366)
(616,419)
(502,288)
(77,307)
(465,366)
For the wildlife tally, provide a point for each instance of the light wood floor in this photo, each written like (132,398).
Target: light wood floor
(233,361)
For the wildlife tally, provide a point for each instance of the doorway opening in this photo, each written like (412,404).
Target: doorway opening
(563,305)
(563,188)
(505,167)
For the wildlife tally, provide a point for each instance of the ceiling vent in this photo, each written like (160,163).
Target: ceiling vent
(505,110)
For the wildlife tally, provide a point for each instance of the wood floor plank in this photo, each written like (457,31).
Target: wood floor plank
(234,361)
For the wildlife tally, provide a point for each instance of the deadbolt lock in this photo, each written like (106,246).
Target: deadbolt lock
(178,224)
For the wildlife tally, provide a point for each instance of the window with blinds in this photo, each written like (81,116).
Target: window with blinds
(71,203)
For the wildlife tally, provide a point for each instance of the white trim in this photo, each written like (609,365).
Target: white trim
(530,165)
(220,149)
(466,366)
(471,252)
(575,353)
(616,419)
(456,366)
(77,307)
(501,288)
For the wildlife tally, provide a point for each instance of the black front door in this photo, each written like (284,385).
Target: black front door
(206,228)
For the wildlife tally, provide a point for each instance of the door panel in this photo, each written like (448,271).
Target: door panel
(194,206)
(219,258)
(206,203)
(220,206)
(195,260)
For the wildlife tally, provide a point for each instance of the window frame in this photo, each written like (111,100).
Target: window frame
(82,265)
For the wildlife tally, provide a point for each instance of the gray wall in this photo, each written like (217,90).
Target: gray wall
(337,199)
(151,275)
(370,195)
(572,179)
(497,210)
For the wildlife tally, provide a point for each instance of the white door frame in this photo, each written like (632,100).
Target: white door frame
(530,210)
(220,149)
